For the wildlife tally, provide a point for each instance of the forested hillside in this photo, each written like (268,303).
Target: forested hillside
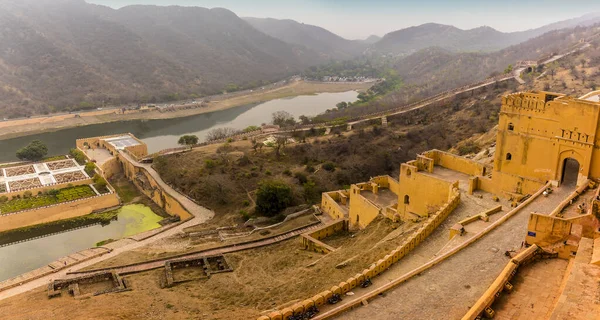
(434,70)
(323,41)
(69,55)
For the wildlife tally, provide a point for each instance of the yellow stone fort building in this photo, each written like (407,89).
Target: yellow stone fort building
(543,137)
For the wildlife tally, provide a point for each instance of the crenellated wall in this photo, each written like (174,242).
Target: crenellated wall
(538,131)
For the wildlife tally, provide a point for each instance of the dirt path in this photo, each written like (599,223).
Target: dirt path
(200,214)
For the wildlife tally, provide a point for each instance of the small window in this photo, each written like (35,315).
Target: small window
(406,199)
(408,173)
(508,156)
(511,127)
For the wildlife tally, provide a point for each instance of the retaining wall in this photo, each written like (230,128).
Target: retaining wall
(59,211)
(148,185)
(311,240)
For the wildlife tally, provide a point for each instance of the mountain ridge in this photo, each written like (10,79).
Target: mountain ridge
(484,38)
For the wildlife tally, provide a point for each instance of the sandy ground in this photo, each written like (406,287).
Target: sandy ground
(262,279)
(12,129)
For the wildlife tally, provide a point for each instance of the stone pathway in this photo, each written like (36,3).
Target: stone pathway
(447,290)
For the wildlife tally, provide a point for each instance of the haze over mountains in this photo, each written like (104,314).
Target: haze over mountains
(69,55)
(454,39)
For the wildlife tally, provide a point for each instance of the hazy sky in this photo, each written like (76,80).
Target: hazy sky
(360,18)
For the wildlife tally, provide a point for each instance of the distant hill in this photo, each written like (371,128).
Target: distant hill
(413,39)
(434,69)
(68,54)
(309,36)
(371,39)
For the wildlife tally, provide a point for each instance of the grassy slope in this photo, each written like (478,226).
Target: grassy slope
(224,178)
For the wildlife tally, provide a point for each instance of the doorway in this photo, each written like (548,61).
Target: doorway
(570,172)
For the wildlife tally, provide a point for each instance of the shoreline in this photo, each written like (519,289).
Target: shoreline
(24,127)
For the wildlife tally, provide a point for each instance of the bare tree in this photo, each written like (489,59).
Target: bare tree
(220,133)
(283,118)
(280,143)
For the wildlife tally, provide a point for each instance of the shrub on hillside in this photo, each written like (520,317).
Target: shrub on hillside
(311,193)
(272,197)
(329,166)
(302,179)
(468,148)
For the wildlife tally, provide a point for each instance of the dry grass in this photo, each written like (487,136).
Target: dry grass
(175,246)
(263,278)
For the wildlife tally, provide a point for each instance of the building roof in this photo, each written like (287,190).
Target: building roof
(120,143)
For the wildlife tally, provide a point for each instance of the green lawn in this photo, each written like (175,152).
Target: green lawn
(64,195)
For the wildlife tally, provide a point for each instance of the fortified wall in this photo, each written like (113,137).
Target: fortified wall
(109,152)
(146,183)
(418,193)
(543,137)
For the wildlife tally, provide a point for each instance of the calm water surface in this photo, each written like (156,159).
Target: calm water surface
(164,133)
(26,256)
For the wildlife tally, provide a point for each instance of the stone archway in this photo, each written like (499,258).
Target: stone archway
(570,172)
(570,167)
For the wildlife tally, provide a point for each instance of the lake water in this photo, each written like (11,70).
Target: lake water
(26,256)
(164,133)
